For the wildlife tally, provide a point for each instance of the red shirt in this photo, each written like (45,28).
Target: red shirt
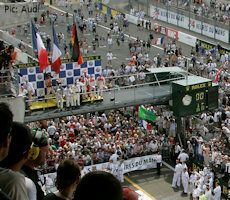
(71,136)
(62,143)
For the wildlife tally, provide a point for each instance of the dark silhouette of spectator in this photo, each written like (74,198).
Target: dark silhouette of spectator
(98,185)
(68,176)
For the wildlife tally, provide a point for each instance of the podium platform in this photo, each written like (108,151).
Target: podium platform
(51,103)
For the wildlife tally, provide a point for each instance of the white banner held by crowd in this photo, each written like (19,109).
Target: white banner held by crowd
(132,164)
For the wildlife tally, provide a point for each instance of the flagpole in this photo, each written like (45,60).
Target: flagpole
(32,37)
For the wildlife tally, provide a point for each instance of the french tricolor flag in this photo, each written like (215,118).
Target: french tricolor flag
(39,46)
(159,41)
(56,55)
(42,54)
(145,124)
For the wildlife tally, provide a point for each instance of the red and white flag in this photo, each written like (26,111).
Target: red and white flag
(56,55)
(145,124)
(42,54)
(217,76)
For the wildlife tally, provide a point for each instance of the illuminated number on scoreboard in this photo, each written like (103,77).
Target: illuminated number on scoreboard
(199,96)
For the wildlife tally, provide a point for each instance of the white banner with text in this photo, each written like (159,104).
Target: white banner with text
(132,164)
(195,25)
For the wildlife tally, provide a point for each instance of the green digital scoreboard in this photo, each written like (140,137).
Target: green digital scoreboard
(193,95)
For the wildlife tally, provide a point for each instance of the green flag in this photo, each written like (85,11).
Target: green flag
(145,114)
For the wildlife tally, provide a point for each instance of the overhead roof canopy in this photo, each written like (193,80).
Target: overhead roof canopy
(166,70)
(192,80)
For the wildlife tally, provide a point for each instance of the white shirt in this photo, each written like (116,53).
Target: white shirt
(183,157)
(23,92)
(228,167)
(110,40)
(153,146)
(158,158)
(109,56)
(31,189)
(114,158)
(178,168)
(51,130)
(142,76)
(177,149)
(208,194)
(29,87)
(185,176)
(217,193)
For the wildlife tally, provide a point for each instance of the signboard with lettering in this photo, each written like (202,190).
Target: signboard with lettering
(209,45)
(35,64)
(194,25)
(171,33)
(192,96)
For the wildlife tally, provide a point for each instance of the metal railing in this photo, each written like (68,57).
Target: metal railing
(120,84)
(156,92)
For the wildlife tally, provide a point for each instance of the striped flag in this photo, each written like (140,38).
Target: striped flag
(39,46)
(145,124)
(76,53)
(56,55)
(34,37)
(42,54)
(159,41)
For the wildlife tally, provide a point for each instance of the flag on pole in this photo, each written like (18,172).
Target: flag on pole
(146,114)
(76,53)
(217,77)
(56,55)
(34,37)
(225,64)
(42,54)
(39,46)
(145,124)
(159,41)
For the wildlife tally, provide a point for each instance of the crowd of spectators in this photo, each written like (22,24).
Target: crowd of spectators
(99,137)
(211,10)
(215,10)
(21,153)
(95,138)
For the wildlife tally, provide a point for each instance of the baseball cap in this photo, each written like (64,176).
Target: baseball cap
(39,138)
